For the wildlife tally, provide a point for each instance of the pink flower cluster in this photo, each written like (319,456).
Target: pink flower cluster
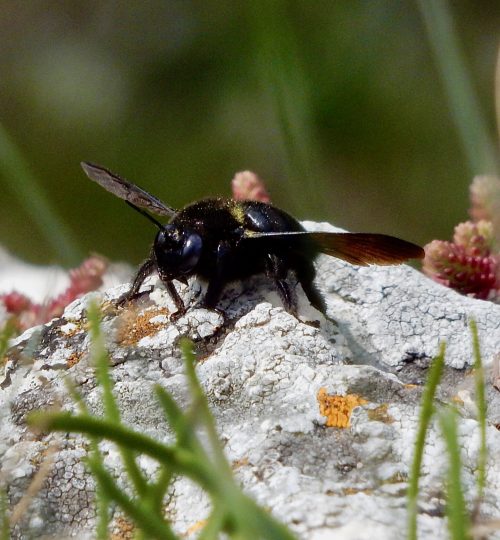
(470,264)
(246,185)
(26,313)
(466,264)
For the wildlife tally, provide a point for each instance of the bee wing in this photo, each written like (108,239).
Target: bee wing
(361,249)
(126,190)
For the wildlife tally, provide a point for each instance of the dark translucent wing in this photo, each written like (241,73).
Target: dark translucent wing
(125,190)
(361,249)
(365,248)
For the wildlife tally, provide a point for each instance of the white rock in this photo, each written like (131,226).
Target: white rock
(262,373)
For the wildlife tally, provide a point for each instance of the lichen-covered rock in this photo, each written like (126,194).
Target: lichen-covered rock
(317,420)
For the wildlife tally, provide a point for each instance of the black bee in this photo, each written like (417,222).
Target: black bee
(223,240)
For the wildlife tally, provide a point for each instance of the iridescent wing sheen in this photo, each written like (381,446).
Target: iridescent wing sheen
(125,190)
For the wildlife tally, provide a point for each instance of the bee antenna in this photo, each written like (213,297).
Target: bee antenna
(146,215)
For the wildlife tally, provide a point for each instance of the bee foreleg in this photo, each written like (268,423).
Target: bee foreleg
(144,271)
(218,280)
(179,304)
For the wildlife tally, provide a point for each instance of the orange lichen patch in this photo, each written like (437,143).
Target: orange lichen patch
(108,307)
(70,333)
(122,529)
(337,409)
(134,327)
(380,414)
(354,491)
(195,528)
(240,463)
(397,478)
(73,359)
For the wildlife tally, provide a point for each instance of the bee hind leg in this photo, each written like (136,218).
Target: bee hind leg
(277,269)
(306,273)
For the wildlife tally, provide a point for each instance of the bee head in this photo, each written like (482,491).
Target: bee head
(177,251)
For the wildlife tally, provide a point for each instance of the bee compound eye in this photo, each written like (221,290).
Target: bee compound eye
(190,252)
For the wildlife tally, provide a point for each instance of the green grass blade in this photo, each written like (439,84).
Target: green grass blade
(479,148)
(458,518)
(178,459)
(284,78)
(213,527)
(481,414)
(263,524)
(497,93)
(4,516)
(101,361)
(6,333)
(158,490)
(233,512)
(147,520)
(102,503)
(23,184)
(426,412)
(101,500)
(248,519)
(203,410)
(182,424)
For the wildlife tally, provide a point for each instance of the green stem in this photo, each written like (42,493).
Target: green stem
(214,526)
(426,412)
(481,414)
(179,460)
(284,78)
(25,186)
(479,148)
(4,517)
(112,412)
(458,518)
(149,522)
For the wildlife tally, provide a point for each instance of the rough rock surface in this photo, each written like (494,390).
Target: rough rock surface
(270,380)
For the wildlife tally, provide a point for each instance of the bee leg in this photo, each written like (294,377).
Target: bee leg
(306,273)
(179,304)
(147,268)
(212,296)
(277,269)
(218,281)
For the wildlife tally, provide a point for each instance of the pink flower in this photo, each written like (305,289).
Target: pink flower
(467,264)
(476,238)
(247,186)
(485,202)
(87,277)
(15,302)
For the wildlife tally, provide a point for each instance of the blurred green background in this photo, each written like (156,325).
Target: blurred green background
(340,106)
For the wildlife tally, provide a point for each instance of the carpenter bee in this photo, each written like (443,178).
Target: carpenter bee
(222,240)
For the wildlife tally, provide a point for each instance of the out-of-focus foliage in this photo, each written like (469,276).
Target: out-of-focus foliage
(338,106)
